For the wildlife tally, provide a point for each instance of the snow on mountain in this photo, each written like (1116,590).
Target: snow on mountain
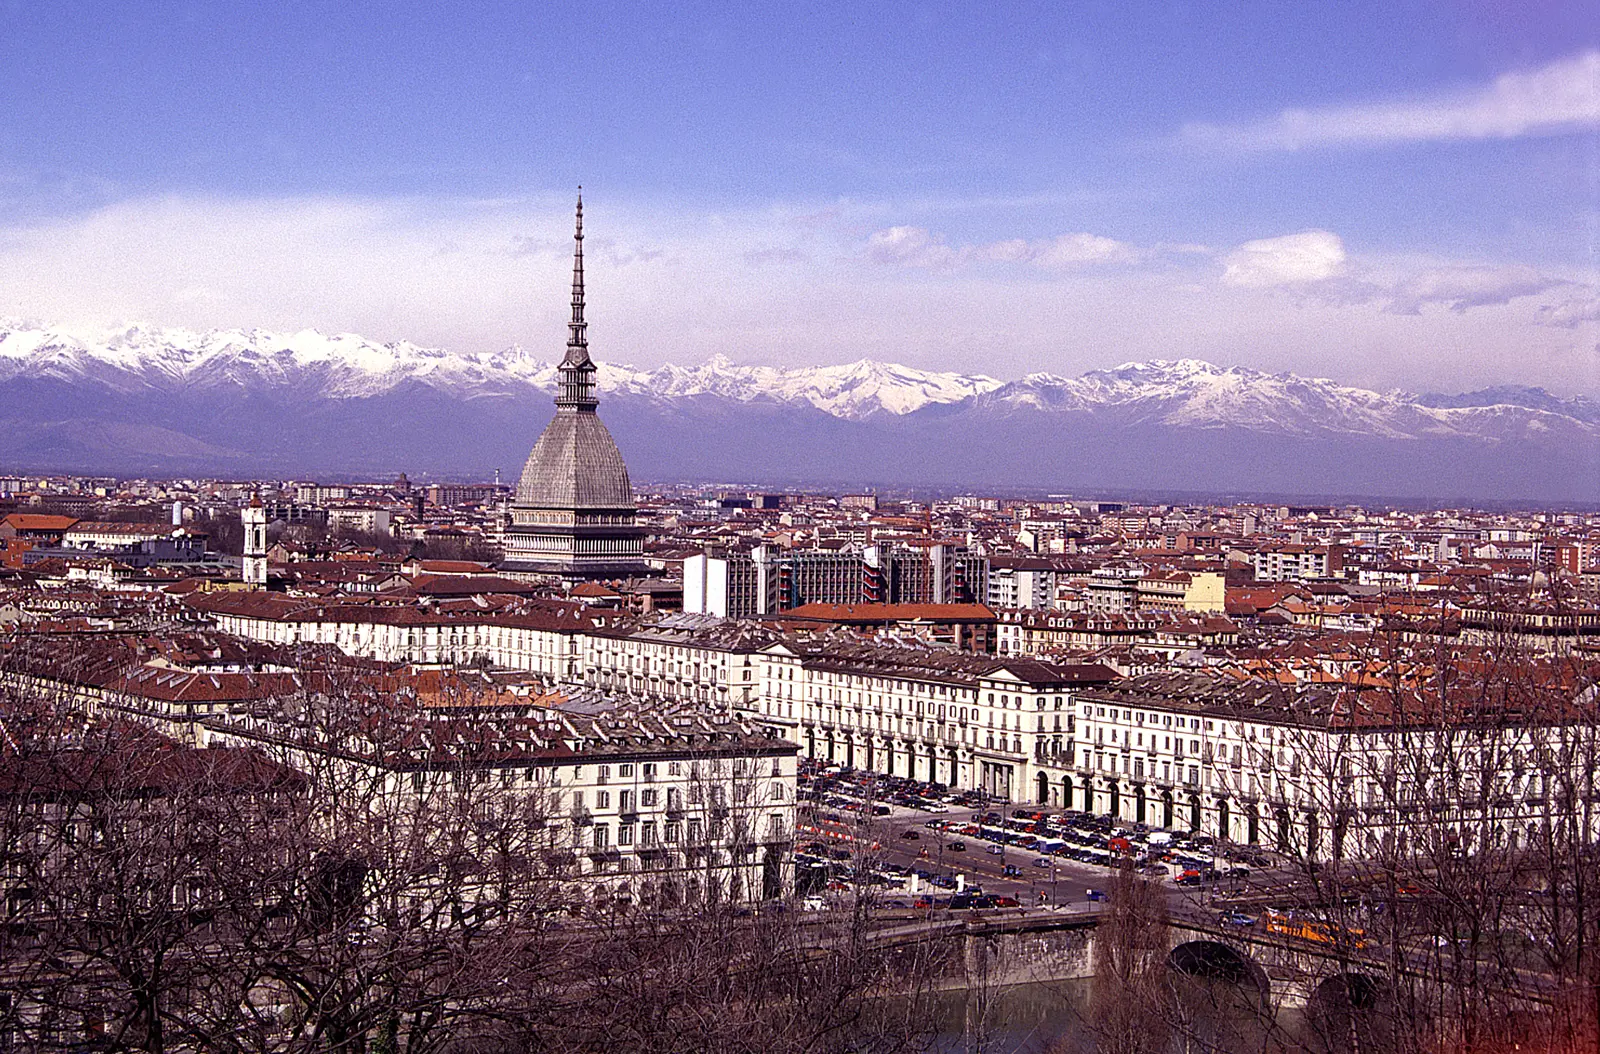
(856,390)
(1198,394)
(1185,393)
(346,366)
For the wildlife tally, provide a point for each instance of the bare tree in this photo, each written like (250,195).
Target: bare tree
(1130,967)
(333,882)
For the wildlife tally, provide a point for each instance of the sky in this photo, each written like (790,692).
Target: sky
(1402,193)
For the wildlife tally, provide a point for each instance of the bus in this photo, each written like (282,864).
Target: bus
(1286,924)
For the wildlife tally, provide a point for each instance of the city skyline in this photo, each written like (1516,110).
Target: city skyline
(1389,197)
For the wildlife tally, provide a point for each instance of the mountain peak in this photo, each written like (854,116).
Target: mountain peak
(1181,392)
(146,399)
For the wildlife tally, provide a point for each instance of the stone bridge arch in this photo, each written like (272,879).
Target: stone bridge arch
(1215,961)
(1359,991)
(1351,1009)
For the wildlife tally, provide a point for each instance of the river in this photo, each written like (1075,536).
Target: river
(1061,1018)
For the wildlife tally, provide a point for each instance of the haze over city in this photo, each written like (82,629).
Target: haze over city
(1387,195)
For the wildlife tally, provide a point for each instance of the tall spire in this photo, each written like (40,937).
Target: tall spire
(578,338)
(575,391)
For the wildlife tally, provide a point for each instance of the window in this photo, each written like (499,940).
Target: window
(647,799)
(673,832)
(624,770)
(602,836)
(602,799)
(605,773)
(625,834)
(647,833)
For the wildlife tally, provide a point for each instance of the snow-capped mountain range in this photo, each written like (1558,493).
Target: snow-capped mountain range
(344,366)
(1182,393)
(166,400)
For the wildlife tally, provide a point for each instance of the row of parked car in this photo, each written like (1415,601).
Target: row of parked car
(822,869)
(869,793)
(1186,858)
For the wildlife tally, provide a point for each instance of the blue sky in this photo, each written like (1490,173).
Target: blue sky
(1401,193)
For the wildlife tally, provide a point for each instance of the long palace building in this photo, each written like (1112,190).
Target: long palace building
(574,514)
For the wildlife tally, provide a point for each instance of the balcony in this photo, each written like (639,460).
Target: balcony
(582,817)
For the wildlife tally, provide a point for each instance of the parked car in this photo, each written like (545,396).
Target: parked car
(908,833)
(1236,918)
(1011,871)
(995,850)
(957,847)
(1094,894)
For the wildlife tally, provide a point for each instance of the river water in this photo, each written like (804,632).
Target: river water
(1062,1018)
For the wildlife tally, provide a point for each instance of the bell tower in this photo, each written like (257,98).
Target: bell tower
(254,571)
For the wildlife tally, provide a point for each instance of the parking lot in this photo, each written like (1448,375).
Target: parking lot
(920,845)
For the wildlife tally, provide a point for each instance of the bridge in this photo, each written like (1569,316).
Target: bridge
(1002,948)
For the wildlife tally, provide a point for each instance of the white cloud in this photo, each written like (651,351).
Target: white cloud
(1068,250)
(790,285)
(1293,259)
(1561,96)
(1582,307)
(911,247)
(1313,266)
(1461,287)
(918,247)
